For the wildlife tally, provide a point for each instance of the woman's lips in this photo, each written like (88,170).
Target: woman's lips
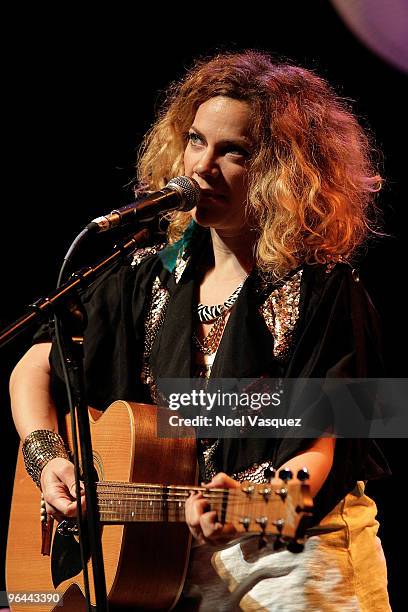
(206,194)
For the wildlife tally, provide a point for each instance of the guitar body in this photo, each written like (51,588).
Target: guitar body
(145,563)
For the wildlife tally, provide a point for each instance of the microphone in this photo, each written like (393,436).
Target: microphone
(181,193)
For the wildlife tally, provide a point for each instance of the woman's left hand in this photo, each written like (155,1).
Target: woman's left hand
(203,522)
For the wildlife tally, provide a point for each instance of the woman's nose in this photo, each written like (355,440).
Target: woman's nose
(206,166)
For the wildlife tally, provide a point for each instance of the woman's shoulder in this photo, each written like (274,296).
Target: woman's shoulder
(322,275)
(322,282)
(308,282)
(338,295)
(145,254)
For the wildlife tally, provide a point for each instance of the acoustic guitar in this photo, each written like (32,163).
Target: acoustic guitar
(145,539)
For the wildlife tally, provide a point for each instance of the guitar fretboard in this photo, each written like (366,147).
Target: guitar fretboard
(121,502)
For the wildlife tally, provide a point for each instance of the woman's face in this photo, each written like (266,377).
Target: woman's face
(216,155)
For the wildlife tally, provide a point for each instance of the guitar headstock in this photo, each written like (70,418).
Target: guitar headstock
(274,508)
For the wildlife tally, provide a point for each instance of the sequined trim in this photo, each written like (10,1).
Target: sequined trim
(140,254)
(210,468)
(281,312)
(154,318)
(255,473)
(181,265)
(156,311)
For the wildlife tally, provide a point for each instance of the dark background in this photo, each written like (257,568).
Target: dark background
(80,91)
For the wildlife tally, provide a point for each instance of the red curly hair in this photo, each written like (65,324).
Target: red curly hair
(311,175)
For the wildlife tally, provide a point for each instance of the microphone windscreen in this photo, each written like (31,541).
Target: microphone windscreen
(189,190)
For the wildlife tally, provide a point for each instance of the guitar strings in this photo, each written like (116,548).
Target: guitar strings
(167,502)
(135,499)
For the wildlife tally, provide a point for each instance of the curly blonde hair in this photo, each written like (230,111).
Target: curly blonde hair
(311,175)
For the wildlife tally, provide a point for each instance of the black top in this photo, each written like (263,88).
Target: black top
(336,335)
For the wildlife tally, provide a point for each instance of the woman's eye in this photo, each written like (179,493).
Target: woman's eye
(237,151)
(194,138)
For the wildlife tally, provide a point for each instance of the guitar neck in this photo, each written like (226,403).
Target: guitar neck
(121,502)
(273,508)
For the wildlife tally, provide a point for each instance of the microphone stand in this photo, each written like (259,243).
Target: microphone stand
(44,308)
(70,321)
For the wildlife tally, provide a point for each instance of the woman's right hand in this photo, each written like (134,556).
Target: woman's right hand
(58,489)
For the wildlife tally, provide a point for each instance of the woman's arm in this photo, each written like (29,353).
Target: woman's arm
(318,459)
(33,409)
(31,403)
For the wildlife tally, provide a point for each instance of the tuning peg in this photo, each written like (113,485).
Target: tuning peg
(262,521)
(248,489)
(266,492)
(269,473)
(279,524)
(303,474)
(246,521)
(282,492)
(285,474)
